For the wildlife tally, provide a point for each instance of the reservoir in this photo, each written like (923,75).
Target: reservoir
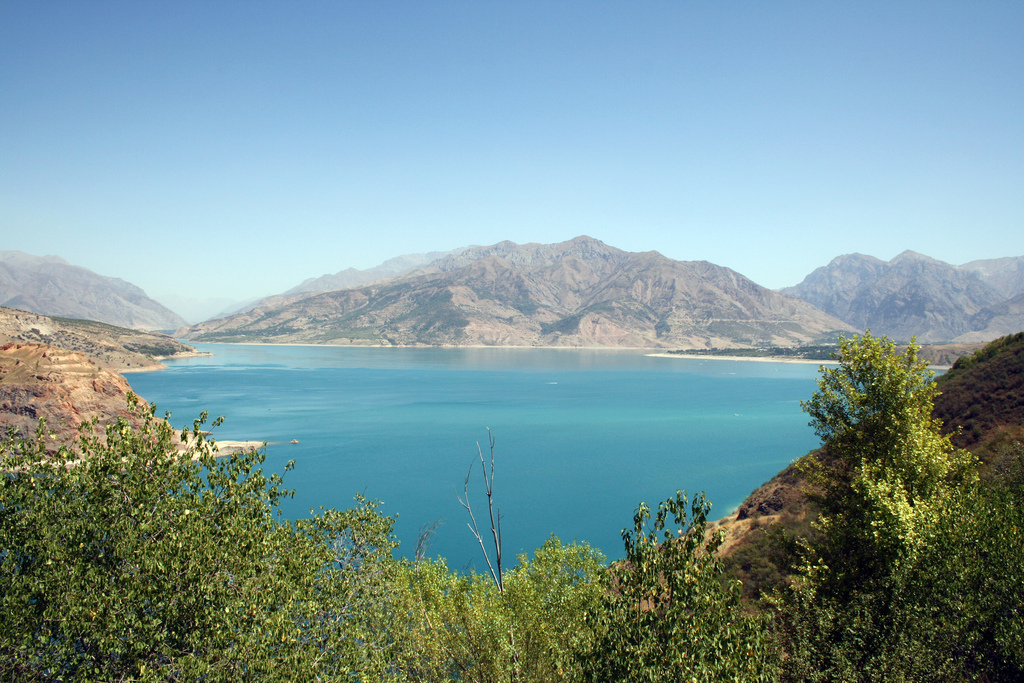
(582,436)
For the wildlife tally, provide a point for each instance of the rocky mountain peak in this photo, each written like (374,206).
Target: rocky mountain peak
(909,255)
(533,255)
(912,295)
(580,292)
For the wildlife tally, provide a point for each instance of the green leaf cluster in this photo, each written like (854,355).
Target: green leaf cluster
(667,616)
(462,627)
(123,557)
(918,574)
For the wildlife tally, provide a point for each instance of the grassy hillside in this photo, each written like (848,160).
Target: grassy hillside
(983,394)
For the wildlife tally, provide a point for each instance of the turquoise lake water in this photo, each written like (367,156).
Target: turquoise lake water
(582,436)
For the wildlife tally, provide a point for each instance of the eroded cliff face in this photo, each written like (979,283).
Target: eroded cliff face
(64,387)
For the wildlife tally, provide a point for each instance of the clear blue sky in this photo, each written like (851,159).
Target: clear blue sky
(234,149)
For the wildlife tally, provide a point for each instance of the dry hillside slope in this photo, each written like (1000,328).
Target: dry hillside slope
(109,346)
(576,293)
(51,286)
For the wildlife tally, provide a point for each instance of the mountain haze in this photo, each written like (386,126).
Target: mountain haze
(352,277)
(49,285)
(1005,275)
(576,293)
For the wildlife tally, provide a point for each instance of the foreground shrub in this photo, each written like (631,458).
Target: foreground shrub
(462,627)
(917,575)
(122,558)
(668,616)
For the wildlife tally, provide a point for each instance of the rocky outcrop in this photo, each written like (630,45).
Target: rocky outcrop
(51,286)
(576,293)
(64,387)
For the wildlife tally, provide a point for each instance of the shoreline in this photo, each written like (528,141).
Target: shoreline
(431,346)
(226,447)
(648,351)
(158,365)
(768,359)
(755,359)
(184,354)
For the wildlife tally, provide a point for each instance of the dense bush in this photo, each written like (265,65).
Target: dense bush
(668,616)
(917,575)
(122,558)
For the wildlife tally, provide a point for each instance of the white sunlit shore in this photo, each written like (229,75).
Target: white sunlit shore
(756,359)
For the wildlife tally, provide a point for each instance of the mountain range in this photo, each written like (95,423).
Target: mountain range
(580,292)
(576,293)
(49,285)
(352,277)
(914,295)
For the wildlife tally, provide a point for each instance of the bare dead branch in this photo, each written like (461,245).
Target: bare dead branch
(425,538)
(495,514)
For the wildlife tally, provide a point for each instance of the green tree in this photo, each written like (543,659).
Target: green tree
(667,616)
(886,471)
(917,573)
(124,558)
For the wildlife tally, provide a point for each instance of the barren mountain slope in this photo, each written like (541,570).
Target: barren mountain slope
(1005,275)
(581,293)
(910,296)
(51,286)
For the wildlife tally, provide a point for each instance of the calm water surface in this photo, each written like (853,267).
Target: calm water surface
(582,436)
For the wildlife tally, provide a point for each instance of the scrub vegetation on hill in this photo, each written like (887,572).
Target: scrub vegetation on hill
(983,394)
(109,346)
(121,559)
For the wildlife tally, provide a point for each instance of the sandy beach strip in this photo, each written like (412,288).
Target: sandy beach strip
(756,359)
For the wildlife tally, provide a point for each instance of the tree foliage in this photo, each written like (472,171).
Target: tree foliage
(886,470)
(122,558)
(667,615)
(917,574)
(463,627)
